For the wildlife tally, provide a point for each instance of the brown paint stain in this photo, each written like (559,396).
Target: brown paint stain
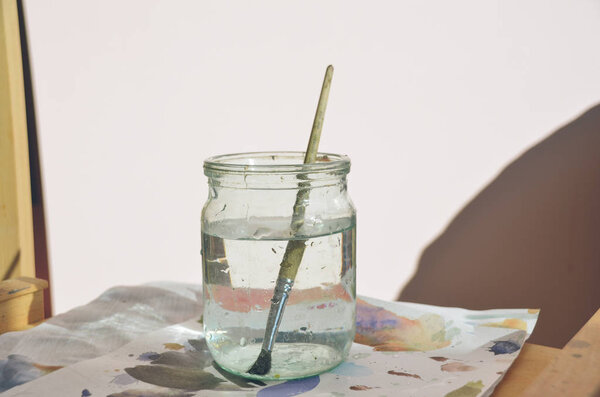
(437,358)
(47,368)
(173,346)
(397,373)
(457,367)
(360,387)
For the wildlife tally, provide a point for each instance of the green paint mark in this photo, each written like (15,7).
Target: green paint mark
(439,336)
(470,389)
(452,332)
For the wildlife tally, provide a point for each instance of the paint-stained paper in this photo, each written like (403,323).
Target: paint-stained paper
(401,349)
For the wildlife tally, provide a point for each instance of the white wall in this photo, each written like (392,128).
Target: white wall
(430,99)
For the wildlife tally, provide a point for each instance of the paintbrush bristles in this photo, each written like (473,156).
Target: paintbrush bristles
(262,365)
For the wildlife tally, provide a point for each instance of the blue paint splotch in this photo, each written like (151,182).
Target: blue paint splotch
(14,291)
(351,369)
(290,388)
(149,356)
(504,347)
(16,370)
(85,393)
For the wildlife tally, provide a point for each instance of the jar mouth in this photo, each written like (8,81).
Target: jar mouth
(275,163)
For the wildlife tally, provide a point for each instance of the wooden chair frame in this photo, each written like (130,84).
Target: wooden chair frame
(23,252)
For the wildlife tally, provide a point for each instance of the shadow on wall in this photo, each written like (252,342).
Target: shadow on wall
(531,238)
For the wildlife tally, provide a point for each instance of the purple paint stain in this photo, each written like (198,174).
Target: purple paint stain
(504,347)
(148,356)
(85,393)
(290,388)
(370,318)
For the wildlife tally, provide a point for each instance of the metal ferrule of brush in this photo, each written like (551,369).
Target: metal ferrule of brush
(283,287)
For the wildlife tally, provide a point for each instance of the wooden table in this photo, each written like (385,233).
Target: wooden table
(546,371)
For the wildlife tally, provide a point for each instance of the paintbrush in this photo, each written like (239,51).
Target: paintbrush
(295,248)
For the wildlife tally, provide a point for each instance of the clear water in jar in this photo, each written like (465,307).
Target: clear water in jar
(241,263)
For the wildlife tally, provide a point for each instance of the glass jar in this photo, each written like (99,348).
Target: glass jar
(259,206)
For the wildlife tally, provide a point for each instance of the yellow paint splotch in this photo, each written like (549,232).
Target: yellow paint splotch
(513,323)
(173,346)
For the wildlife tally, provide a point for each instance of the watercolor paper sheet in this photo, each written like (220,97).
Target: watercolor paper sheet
(401,349)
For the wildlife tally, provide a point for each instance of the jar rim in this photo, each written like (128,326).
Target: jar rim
(280,162)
